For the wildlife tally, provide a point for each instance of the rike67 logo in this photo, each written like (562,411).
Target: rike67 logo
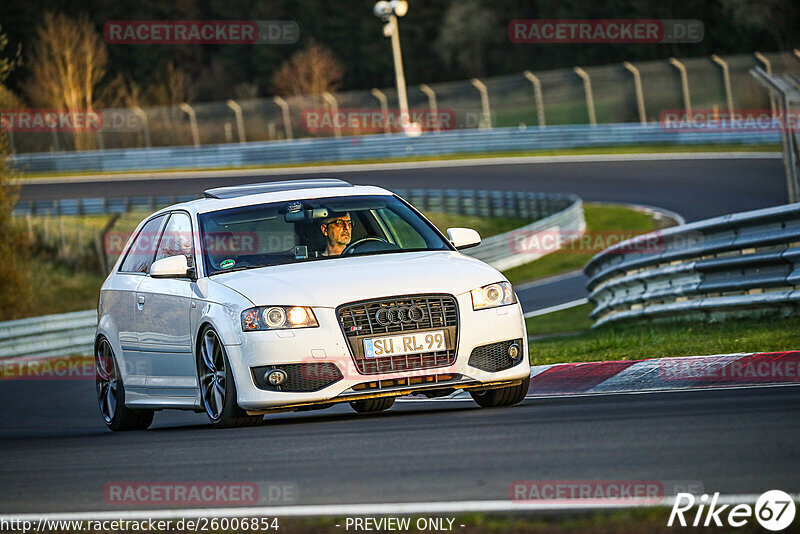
(774,511)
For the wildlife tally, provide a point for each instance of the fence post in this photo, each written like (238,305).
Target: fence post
(331,101)
(287,123)
(637,84)
(687,102)
(486,110)
(425,88)
(189,110)
(768,69)
(237,109)
(145,126)
(377,93)
(537,96)
(726,78)
(587,87)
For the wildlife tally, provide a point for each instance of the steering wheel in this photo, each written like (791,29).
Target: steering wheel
(351,248)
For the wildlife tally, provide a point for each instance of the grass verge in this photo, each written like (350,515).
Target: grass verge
(486,226)
(569,320)
(581,151)
(655,340)
(604,223)
(60,289)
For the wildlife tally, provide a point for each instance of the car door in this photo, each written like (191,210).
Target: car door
(119,299)
(162,317)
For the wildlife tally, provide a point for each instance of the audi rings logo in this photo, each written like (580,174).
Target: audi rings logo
(399,315)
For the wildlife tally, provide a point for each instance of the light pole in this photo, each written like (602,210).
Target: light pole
(388,11)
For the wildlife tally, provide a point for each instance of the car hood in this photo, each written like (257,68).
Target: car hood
(329,283)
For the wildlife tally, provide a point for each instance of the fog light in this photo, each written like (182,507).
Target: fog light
(276,377)
(513,351)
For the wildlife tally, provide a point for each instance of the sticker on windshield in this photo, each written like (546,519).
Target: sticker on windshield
(227,264)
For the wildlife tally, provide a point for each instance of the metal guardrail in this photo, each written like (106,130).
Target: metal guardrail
(499,251)
(378,147)
(785,91)
(49,335)
(73,333)
(742,264)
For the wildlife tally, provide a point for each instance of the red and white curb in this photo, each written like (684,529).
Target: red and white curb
(664,374)
(742,369)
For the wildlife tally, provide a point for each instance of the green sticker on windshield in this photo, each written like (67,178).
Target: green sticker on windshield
(227,264)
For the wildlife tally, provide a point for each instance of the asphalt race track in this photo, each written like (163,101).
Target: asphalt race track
(695,188)
(58,456)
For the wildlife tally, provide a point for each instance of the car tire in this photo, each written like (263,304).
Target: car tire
(111,392)
(492,398)
(372,405)
(217,387)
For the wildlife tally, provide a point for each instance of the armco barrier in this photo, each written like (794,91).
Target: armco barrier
(378,147)
(73,333)
(49,335)
(742,264)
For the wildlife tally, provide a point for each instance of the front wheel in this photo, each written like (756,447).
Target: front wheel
(217,388)
(111,393)
(491,398)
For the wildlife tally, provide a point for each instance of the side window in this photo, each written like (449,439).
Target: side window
(404,233)
(176,239)
(140,255)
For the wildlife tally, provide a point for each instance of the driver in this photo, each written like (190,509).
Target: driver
(337,230)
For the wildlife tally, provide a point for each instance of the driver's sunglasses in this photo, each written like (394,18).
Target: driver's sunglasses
(341,224)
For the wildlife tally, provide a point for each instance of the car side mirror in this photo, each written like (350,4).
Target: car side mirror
(462,238)
(172,267)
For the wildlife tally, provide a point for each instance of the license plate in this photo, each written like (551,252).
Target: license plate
(404,344)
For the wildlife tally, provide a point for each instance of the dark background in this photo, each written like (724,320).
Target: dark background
(442,39)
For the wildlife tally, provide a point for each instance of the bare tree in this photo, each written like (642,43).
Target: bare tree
(311,71)
(68,61)
(15,280)
(171,88)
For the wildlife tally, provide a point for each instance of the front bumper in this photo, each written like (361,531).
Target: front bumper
(327,343)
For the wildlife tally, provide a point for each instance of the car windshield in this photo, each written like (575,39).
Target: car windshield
(278,233)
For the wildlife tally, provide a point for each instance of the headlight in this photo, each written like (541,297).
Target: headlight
(277,318)
(492,296)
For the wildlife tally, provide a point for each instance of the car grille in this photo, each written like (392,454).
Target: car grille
(300,377)
(359,322)
(494,357)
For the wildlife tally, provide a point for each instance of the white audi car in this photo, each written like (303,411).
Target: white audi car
(299,295)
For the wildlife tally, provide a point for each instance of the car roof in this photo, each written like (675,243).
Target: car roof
(251,194)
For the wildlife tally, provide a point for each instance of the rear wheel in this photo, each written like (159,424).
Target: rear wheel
(372,405)
(491,398)
(111,393)
(217,388)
